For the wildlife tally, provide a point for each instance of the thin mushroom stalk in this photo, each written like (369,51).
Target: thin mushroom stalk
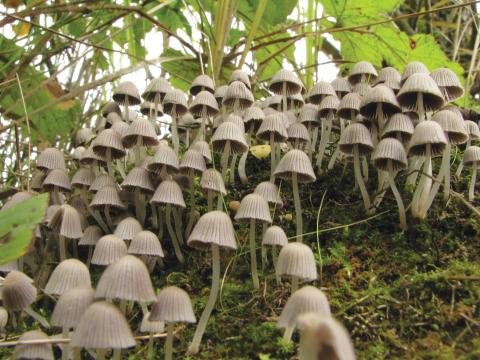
(272,156)
(443,173)
(108,216)
(62,245)
(243,160)
(191,215)
(138,152)
(324,140)
(253,255)
(202,324)
(298,208)
(232,168)
(139,199)
(177,216)
(169,342)
(359,178)
(175,243)
(398,198)
(420,197)
(175,140)
(120,168)
(109,163)
(224,161)
(460,166)
(313,143)
(41,320)
(275,260)
(66,346)
(473,180)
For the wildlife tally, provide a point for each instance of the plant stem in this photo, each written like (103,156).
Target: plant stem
(169,342)
(41,320)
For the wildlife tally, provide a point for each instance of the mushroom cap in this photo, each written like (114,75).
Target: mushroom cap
(414,67)
(220,92)
(390,150)
(379,96)
(68,274)
(273,124)
(275,236)
(328,106)
(229,132)
(212,181)
(472,129)
(113,118)
(295,100)
(427,133)
(66,222)
(275,102)
(349,105)
(83,178)
(126,279)
(295,161)
(356,134)
(89,157)
(471,156)
(83,136)
(202,83)
(296,259)
(214,227)
(70,307)
(157,88)
(399,124)
(390,77)
(173,305)
(138,178)
(33,351)
(270,192)
(304,300)
(361,88)
(148,326)
(50,158)
(254,207)
(285,77)
(164,158)
(91,235)
(203,148)
(16,199)
(298,131)
(148,108)
(18,291)
(109,249)
(146,243)
(127,91)
(37,180)
(140,130)
(129,116)
(128,228)
(107,196)
(101,181)
(57,178)
(108,140)
(253,118)
(420,83)
(103,326)
(453,126)
(51,210)
(175,103)
(309,115)
(204,105)
(238,95)
(362,68)
(168,192)
(319,91)
(192,162)
(240,75)
(341,86)
(110,107)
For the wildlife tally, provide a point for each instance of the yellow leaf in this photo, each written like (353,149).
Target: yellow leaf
(260,151)
(21,29)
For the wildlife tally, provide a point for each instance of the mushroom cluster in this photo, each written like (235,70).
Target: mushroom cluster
(117,205)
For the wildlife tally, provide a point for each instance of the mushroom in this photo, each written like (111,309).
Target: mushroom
(69,274)
(253,207)
(155,93)
(50,159)
(202,83)
(298,135)
(173,305)
(127,94)
(175,105)
(448,83)
(203,148)
(390,77)
(413,67)
(83,136)
(204,106)
(327,110)
(309,116)
(252,118)
(151,327)
(138,181)
(284,83)
(108,145)
(66,223)
(362,72)
(89,158)
(106,199)
(275,236)
(473,134)
(297,261)
(240,75)
(471,158)
(211,182)
(341,86)
(109,248)
(41,351)
(127,229)
(164,162)
(296,165)
(147,245)
(213,230)
(141,133)
(57,183)
(400,127)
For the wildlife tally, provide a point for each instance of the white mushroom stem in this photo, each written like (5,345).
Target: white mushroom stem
(191,216)
(471,187)
(62,247)
(98,217)
(298,207)
(443,172)
(460,166)
(263,248)
(420,107)
(324,140)
(108,216)
(313,143)
(414,166)
(365,169)
(175,140)
(396,194)
(446,175)
(359,178)
(333,159)
(243,159)
(138,151)
(173,237)
(380,118)
(120,168)
(420,197)
(232,168)
(41,320)
(169,342)
(272,156)
(109,162)
(160,222)
(178,226)
(202,324)
(224,160)
(275,260)
(66,346)
(139,205)
(253,255)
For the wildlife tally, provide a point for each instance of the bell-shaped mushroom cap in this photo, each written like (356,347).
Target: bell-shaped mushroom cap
(109,249)
(237,120)
(110,107)
(273,124)
(103,326)
(173,305)
(240,75)
(285,77)
(275,236)
(107,196)
(3,318)
(295,101)
(192,162)
(51,210)
(168,192)
(158,87)
(50,158)
(254,207)
(203,148)
(220,92)
(164,158)
(17,198)
(229,132)
(37,180)
(18,291)
(390,150)
(326,335)
(187,121)
(356,134)
(33,351)
(57,178)
(175,103)
(270,192)
(453,108)
(141,131)
(414,67)
(66,222)
(83,136)
(420,83)
(146,243)
(295,161)
(399,125)
(253,118)
(147,326)
(69,274)
(349,106)
(113,118)
(70,307)
(128,228)
(274,102)
(427,133)
(328,105)
(127,91)
(390,77)
(296,259)
(471,156)
(91,235)
(121,127)
(204,105)
(298,131)
(138,178)
(379,95)
(106,140)
(341,86)
(361,88)
(472,129)
(362,69)
(148,108)
(101,181)
(126,279)
(89,157)
(309,116)
(238,95)
(306,299)
(453,126)
(83,178)
(202,83)
(212,181)
(214,227)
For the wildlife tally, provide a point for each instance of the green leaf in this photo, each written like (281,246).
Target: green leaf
(234,37)
(17,224)
(172,17)
(183,70)
(275,13)
(77,28)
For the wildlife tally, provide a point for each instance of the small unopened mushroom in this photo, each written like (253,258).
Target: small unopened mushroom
(66,222)
(473,134)
(109,249)
(69,274)
(41,351)
(297,261)
(212,183)
(105,199)
(275,237)
(471,158)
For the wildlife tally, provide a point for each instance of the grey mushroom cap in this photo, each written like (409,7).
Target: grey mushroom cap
(356,134)
(471,156)
(148,326)
(319,91)
(91,235)
(128,228)
(107,196)
(89,157)
(362,68)
(18,291)
(288,79)
(273,124)
(83,178)
(309,115)
(341,86)
(110,107)
(229,132)
(254,207)
(192,162)
(427,133)
(390,77)
(220,92)
(127,91)
(420,83)
(204,105)
(157,88)
(141,131)
(173,305)
(202,83)
(66,221)
(70,307)
(101,181)
(203,148)
(379,95)
(83,136)
(164,158)
(146,243)
(237,120)
(414,67)
(240,75)
(50,158)
(168,192)
(390,151)
(298,131)
(57,178)
(270,192)
(349,106)
(328,105)
(138,178)
(448,83)
(453,126)
(148,109)
(33,351)
(472,129)
(69,274)
(212,181)
(214,227)
(109,249)
(275,236)
(297,259)
(238,95)
(295,161)
(109,140)
(175,103)
(399,124)
(3,318)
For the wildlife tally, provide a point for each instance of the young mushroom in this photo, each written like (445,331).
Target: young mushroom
(473,134)
(211,183)
(66,223)
(297,261)
(327,110)
(108,145)
(109,249)
(138,181)
(471,158)
(40,351)
(127,94)
(275,236)
(127,229)
(57,183)
(69,274)
(147,245)
(106,199)
(204,106)
(155,93)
